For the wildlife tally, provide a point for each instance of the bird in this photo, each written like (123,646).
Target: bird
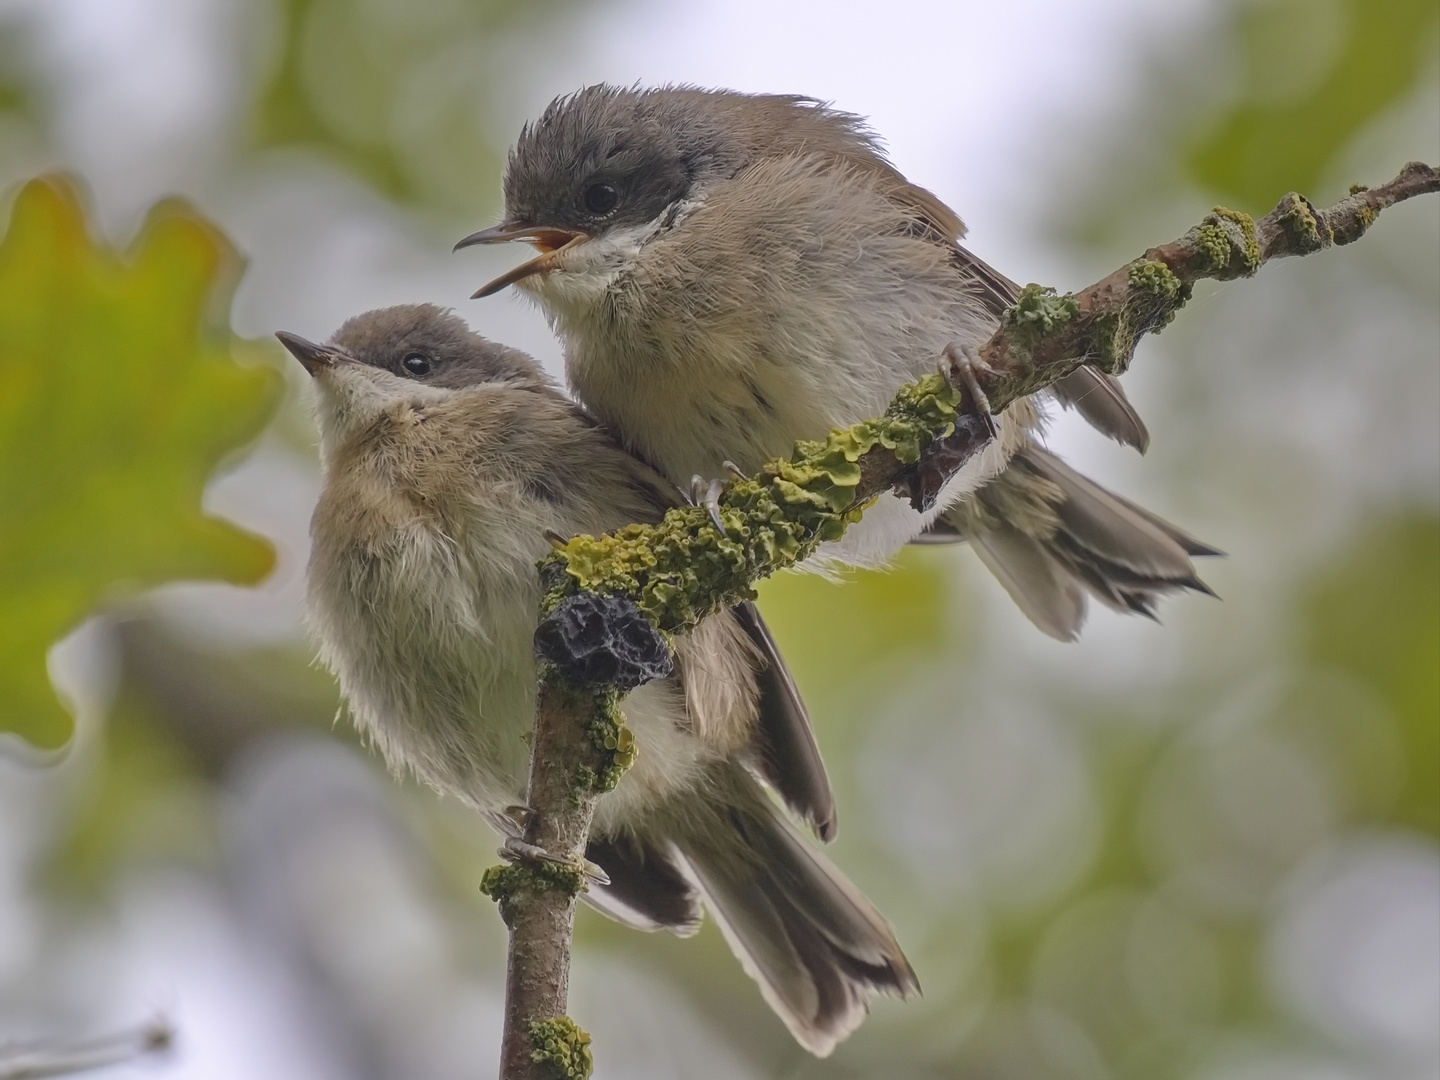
(447,460)
(730,273)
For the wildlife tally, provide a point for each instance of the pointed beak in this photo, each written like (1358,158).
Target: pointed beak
(552,242)
(311,356)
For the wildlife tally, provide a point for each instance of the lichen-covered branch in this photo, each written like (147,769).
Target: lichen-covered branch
(1047,335)
(613,601)
(579,748)
(677,572)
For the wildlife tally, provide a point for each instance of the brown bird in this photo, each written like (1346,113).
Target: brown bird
(730,273)
(447,460)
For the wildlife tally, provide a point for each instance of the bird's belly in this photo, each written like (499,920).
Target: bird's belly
(689,404)
(435,668)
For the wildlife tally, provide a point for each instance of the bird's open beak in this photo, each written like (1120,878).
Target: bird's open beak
(313,357)
(551,242)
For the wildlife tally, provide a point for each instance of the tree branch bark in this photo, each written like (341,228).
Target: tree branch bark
(613,600)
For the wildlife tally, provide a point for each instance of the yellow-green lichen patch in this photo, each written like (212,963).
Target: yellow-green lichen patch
(586,781)
(1156,294)
(1212,239)
(1307,232)
(1356,189)
(1153,276)
(1038,311)
(613,739)
(563,1047)
(506,883)
(683,568)
(1250,244)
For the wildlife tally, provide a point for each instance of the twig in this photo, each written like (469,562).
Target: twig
(62,1059)
(1100,325)
(613,600)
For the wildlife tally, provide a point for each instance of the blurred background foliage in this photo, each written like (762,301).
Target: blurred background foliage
(1205,850)
(398,93)
(114,413)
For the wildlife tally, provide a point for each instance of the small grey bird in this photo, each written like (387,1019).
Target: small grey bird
(730,273)
(447,458)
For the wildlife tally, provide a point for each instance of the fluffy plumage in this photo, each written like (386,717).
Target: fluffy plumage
(764,274)
(446,458)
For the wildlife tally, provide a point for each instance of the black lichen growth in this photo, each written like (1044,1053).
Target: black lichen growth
(563,1047)
(603,641)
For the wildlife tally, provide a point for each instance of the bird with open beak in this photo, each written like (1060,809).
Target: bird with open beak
(730,273)
(447,460)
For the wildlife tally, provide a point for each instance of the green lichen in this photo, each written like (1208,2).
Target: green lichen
(1306,231)
(508,882)
(1356,189)
(586,781)
(1366,215)
(680,570)
(1153,276)
(1212,239)
(1217,240)
(563,1047)
(1156,294)
(1250,246)
(1037,311)
(609,735)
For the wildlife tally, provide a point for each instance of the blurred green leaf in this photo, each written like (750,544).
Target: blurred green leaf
(1376,617)
(118,398)
(395,90)
(1348,60)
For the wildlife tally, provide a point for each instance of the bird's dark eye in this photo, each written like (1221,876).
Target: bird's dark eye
(416,364)
(601,198)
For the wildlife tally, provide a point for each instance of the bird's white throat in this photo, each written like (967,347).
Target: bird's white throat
(587,272)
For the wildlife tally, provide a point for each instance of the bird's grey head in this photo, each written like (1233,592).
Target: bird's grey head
(607,157)
(413,352)
(609,160)
(418,343)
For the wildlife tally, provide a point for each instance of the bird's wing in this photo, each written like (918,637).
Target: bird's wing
(785,751)
(1095,395)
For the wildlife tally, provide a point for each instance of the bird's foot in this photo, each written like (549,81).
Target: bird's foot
(963,366)
(518,851)
(707,494)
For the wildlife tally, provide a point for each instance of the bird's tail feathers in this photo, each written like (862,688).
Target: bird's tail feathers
(817,948)
(1051,536)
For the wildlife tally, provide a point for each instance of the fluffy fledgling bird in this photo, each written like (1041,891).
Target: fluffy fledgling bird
(730,273)
(446,459)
